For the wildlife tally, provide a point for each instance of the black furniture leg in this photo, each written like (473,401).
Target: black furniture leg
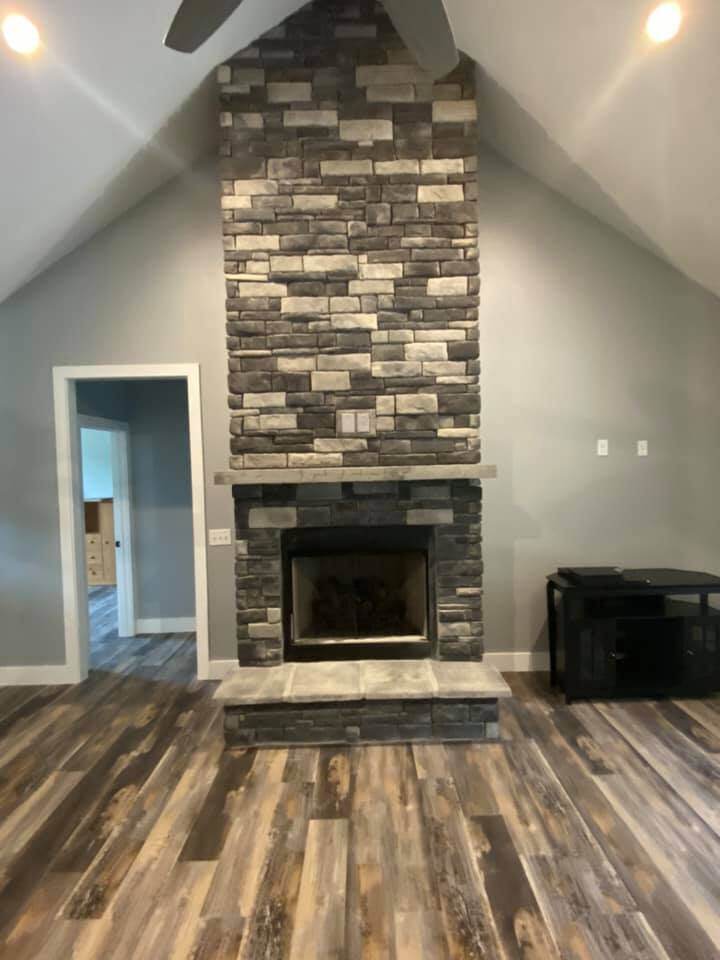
(552,631)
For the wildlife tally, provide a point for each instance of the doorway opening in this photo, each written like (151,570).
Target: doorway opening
(132,507)
(107,526)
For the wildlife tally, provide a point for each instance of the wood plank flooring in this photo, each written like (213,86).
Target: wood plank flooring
(126,830)
(103,608)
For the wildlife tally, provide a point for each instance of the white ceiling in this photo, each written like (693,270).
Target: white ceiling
(577,95)
(571,91)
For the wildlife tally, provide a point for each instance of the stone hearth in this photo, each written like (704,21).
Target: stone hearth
(360,701)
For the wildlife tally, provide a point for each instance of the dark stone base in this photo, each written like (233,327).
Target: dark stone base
(361,721)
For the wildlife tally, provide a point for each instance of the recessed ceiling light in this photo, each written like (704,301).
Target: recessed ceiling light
(664,22)
(21,34)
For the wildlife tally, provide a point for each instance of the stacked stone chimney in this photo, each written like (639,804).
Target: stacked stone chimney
(350,236)
(350,232)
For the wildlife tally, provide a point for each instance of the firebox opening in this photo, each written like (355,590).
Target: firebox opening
(353,596)
(358,593)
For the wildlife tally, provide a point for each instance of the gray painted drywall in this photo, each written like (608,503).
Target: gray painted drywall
(148,289)
(161,500)
(96,447)
(161,495)
(585,335)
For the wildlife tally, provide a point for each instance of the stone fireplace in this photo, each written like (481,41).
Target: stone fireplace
(349,203)
(335,527)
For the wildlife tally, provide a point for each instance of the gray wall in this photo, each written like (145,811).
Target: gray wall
(162,500)
(97,476)
(161,494)
(149,289)
(585,335)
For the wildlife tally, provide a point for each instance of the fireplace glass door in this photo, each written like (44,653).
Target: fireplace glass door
(357,594)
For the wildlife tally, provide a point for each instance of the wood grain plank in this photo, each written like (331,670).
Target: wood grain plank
(27,939)
(218,938)
(702,713)
(687,769)
(520,924)
(271,921)
(240,867)
(301,765)
(101,880)
(676,928)
(685,723)
(207,837)
(468,922)
(567,723)
(171,930)
(680,843)
(476,795)
(117,934)
(319,930)
(332,784)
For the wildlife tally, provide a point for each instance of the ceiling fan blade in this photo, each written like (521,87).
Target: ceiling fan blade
(195,21)
(426,30)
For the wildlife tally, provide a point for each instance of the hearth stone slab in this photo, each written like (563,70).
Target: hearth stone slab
(330,682)
(397,679)
(314,682)
(454,678)
(258,685)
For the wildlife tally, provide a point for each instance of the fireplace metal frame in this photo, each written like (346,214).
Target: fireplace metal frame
(323,541)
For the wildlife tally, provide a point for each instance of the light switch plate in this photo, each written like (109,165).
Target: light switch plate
(219,538)
(603,448)
(356,423)
(346,422)
(642,448)
(362,422)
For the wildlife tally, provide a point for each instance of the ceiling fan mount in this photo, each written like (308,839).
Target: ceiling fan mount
(423,25)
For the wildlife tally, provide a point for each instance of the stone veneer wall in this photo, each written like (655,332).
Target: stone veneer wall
(451,508)
(350,231)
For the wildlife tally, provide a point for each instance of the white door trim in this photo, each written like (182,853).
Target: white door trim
(122,517)
(72,542)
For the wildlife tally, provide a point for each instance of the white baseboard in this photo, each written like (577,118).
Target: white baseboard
(165,625)
(219,669)
(51,675)
(519,661)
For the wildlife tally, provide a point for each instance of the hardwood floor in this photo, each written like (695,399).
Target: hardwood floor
(126,831)
(103,609)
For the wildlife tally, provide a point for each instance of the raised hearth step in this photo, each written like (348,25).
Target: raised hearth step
(355,680)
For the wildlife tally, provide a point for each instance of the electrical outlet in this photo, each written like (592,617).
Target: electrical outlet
(219,538)
(642,448)
(603,448)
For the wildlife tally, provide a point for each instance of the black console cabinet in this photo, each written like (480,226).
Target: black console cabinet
(653,633)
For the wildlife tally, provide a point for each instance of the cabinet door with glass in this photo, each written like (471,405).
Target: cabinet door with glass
(701,654)
(593,669)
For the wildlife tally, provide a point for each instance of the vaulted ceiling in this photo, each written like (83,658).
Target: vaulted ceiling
(571,90)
